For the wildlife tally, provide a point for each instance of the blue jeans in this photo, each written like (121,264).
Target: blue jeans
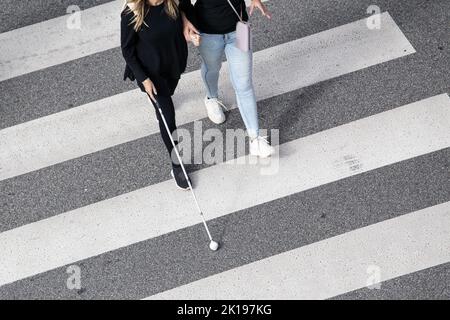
(212,47)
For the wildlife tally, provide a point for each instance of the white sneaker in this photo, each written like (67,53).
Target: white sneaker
(260,147)
(214,108)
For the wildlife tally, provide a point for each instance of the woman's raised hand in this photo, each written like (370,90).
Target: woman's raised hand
(261,7)
(195,38)
(189,30)
(150,89)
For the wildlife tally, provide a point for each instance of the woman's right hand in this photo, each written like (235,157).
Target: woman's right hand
(189,30)
(150,89)
(195,39)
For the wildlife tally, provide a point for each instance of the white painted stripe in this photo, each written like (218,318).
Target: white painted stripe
(125,117)
(305,163)
(52,42)
(337,265)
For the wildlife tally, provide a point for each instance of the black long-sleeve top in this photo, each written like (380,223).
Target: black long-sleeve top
(158,51)
(214,16)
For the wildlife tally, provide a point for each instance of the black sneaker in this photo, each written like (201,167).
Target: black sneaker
(179,177)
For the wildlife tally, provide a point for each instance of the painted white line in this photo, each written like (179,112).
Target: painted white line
(52,42)
(324,269)
(125,117)
(360,146)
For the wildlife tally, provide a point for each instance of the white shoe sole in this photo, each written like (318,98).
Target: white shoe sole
(217,121)
(262,156)
(173,176)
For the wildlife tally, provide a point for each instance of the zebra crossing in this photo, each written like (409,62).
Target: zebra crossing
(344,262)
(111,121)
(143,240)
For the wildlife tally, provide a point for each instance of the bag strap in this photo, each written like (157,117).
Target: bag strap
(235,11)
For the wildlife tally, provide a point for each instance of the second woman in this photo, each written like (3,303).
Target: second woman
(216,20)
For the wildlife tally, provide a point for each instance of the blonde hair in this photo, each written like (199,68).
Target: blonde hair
(138,8)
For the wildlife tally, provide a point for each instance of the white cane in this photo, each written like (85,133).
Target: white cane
(213,245)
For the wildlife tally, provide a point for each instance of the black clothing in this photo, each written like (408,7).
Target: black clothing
(168,110)
(157,51)
(214,16)
(180,178)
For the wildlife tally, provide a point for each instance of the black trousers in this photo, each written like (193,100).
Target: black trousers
(168,110)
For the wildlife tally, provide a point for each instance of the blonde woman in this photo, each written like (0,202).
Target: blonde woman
(155,52)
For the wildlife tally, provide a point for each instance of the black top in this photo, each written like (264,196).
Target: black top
(157,51)
(214,16)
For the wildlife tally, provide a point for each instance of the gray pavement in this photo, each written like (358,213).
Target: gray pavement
(428,284)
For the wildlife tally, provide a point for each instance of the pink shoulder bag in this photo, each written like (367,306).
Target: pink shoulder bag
(243,32)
